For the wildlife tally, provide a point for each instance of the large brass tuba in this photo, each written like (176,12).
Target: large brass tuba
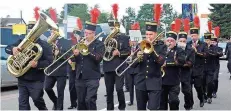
(110,44)
(146,47)
(18,64)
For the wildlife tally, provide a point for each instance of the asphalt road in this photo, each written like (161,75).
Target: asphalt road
(9,97)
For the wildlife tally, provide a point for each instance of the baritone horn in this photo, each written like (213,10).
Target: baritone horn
(81,46)
(144,46)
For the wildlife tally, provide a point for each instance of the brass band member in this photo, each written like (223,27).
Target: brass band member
(210,66)
(185,71)
(149,79)
(111,78)
(88,72)
(31,83)
(171,81)
(75,36)
(60,75)
(219,53)
(200,48)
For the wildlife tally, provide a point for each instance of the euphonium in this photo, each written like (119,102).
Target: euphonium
(110,44)
(18,64)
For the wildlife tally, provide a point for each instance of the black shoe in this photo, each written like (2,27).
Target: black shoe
(201,103)
(190,108)
(130,103)
(209,100)
(205,100)
(71,107)
(214,95)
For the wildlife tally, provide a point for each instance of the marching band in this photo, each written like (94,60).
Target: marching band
(159,69)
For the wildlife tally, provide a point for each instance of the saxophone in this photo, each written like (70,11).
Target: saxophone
(18,64)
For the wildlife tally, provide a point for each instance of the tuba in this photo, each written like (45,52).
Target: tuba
(110,44)
(146,47)
(18,64)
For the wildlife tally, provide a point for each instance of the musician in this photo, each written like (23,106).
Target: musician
(59,75)
(210,67)
(148,81)
(131,73)
(75,37)
(171,81)
(31,83)
(218,54)
(186,69)
(228,56)
(110,76)
(200,49)
(88,68)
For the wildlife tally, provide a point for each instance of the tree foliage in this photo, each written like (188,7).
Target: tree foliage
(220,16)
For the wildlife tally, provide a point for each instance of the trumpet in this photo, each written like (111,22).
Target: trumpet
(145,47)
(83,48)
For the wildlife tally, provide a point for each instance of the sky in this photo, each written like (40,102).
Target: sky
(13,7)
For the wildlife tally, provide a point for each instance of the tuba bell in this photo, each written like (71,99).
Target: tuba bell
(110,44)
(18,64)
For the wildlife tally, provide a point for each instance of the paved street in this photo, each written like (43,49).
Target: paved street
(9,98)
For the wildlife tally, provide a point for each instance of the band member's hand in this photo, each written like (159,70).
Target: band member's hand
(186,65)
(140,54)
(69,61)
(16,50)
(164,64)
(116,52)
(76,52)
(56,52)
(33,63)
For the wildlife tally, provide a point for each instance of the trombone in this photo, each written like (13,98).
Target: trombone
(145,47)
(83,49)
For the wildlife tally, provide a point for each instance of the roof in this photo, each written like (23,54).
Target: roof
(5,21)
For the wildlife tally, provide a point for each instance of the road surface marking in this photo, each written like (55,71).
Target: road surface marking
(116,105)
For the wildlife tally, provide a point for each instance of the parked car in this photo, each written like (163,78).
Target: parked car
(6,78)
(223,46)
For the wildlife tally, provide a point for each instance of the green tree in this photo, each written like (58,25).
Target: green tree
(103,18)
(79,10)
(145,14)
(220,16)
(168,15)
(129,18)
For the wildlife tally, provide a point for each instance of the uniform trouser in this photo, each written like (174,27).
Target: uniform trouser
(197,81)
(215,79)
(229,67)
(72,89)
(204,86)
(112,79)
(170,94)
(61,83)
(87,93)
(209,74)
(186,89)
(33,89)
(152,97)
(126,81)
(131,78)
